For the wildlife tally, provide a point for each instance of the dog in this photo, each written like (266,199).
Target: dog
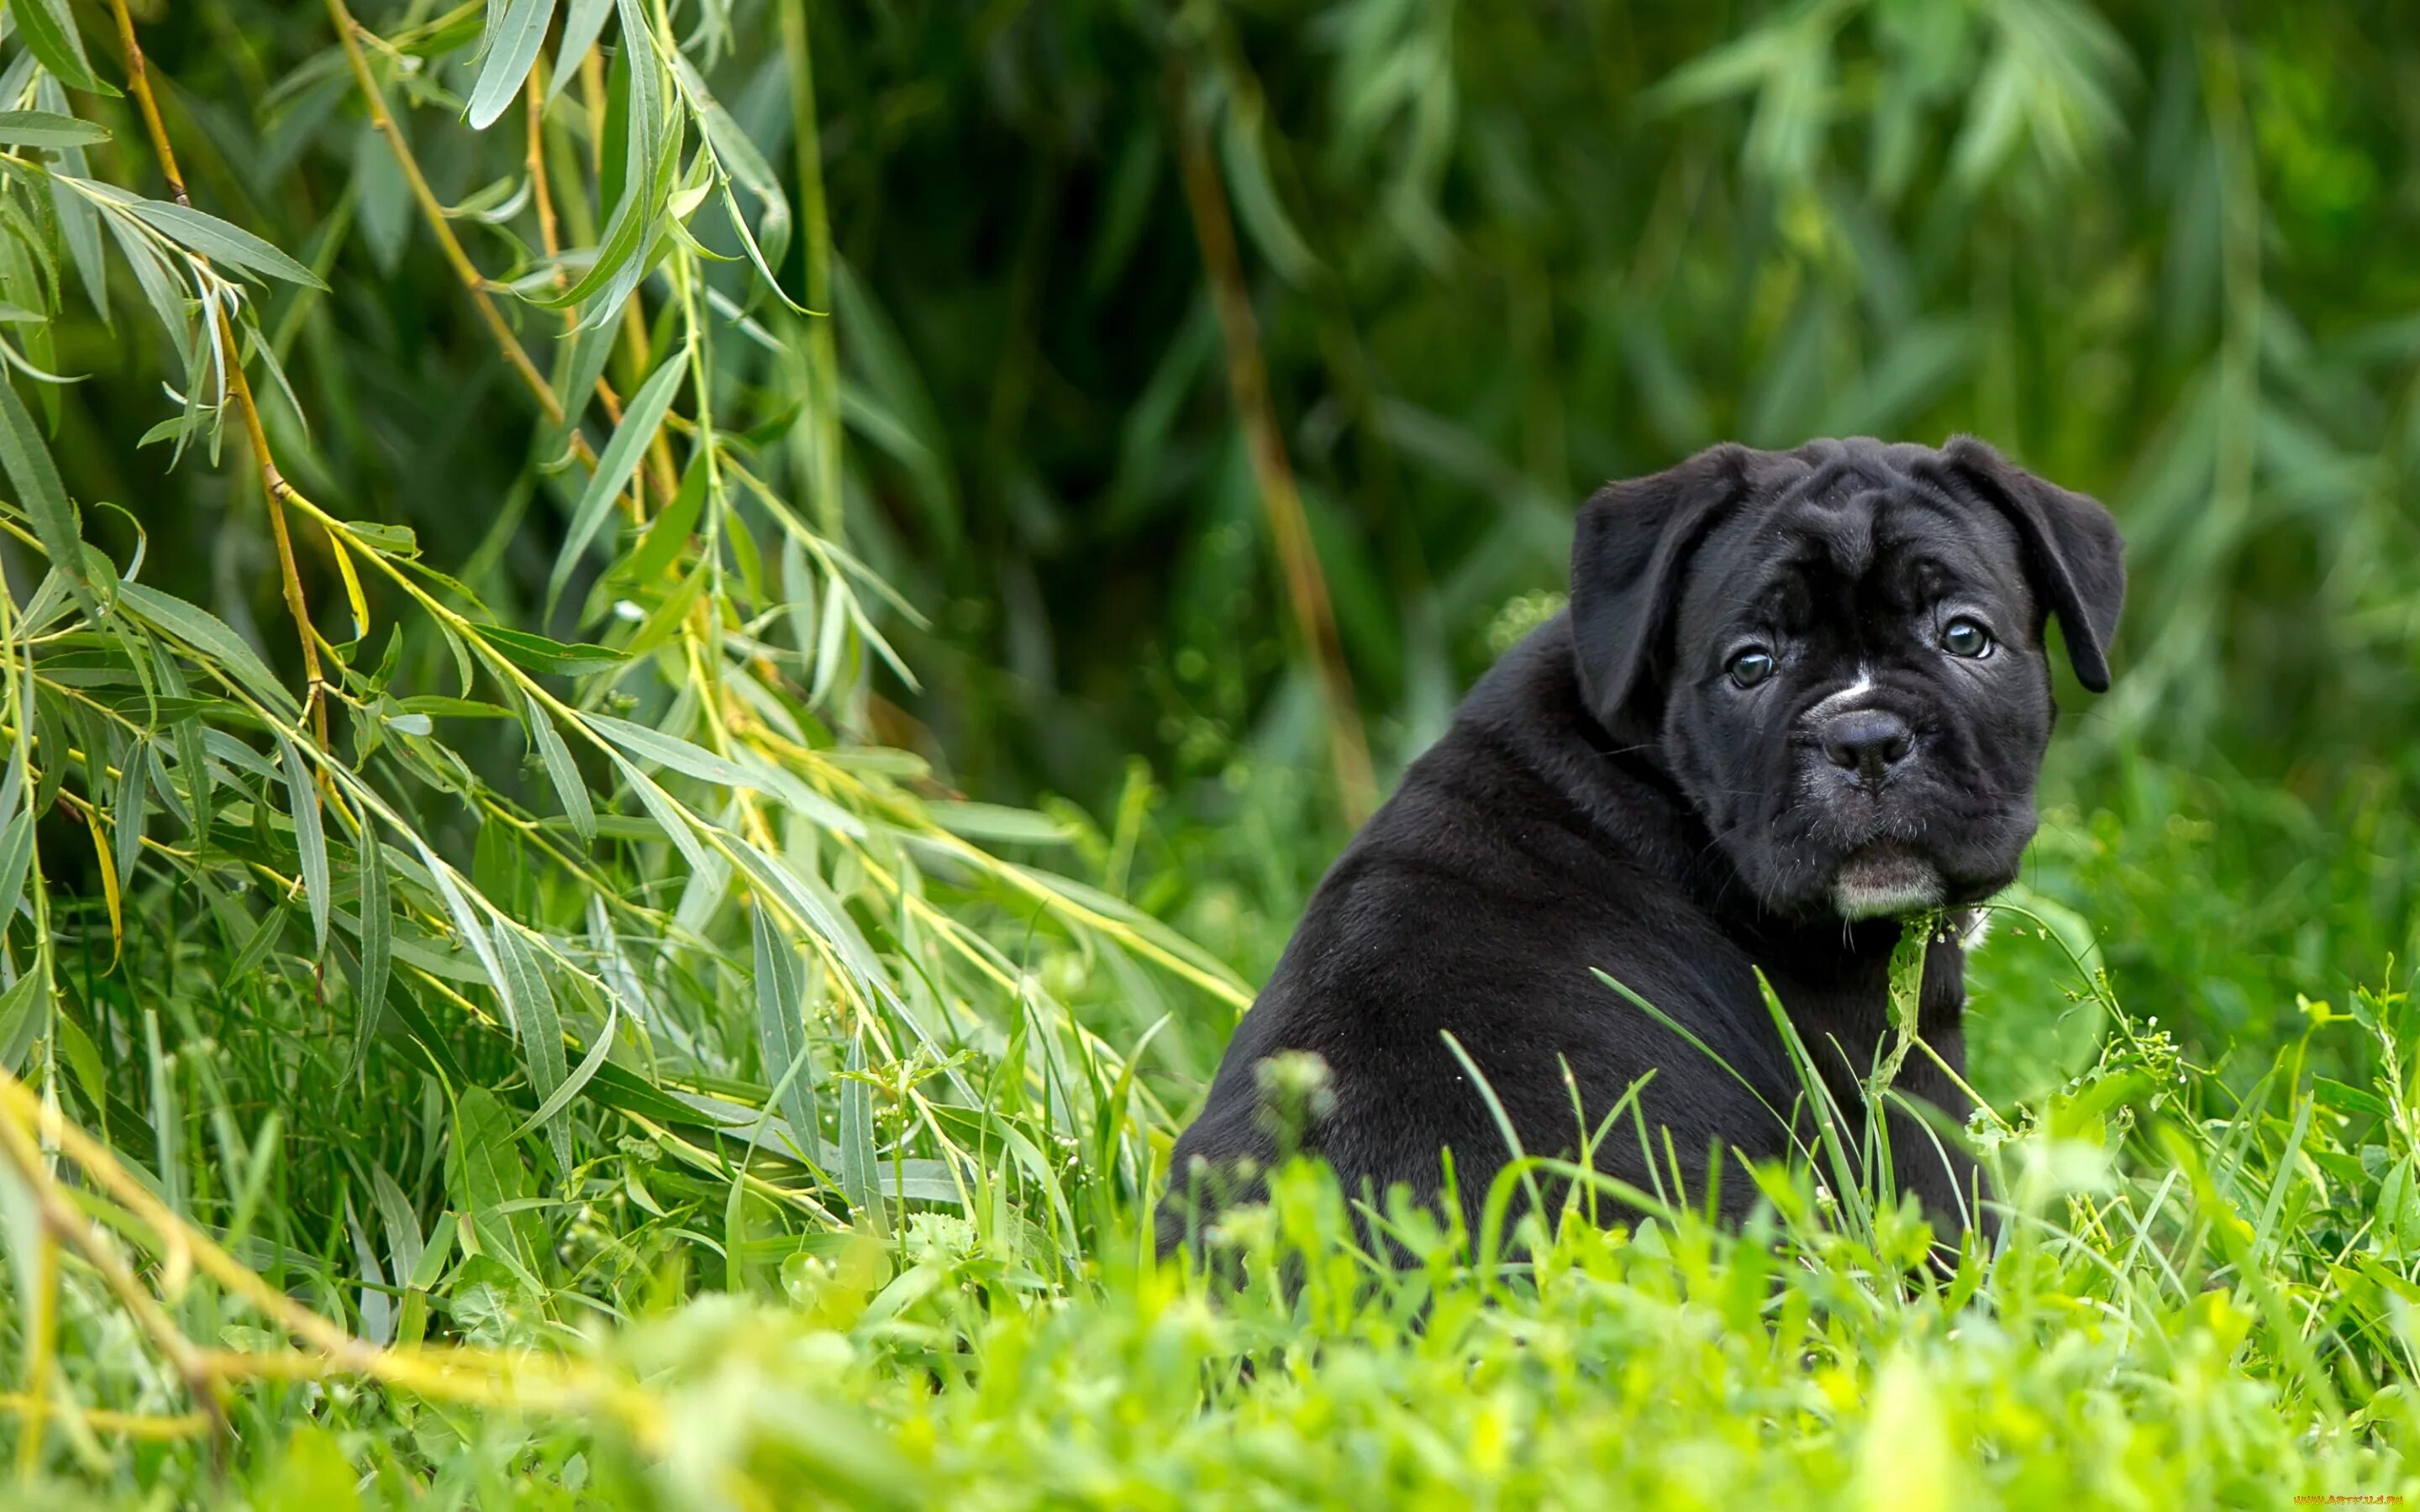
(1796,698)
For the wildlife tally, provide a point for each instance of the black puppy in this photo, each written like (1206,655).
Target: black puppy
(1796,696)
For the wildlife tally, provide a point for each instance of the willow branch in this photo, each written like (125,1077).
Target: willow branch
(351,31)
(535,97)
(272,481)
(138,79)
(549,234)
(41,1326)
(551,241)
(441,1373)
(278,490)
(64,1223)
(433,210)
(1247,382)
(141,1426)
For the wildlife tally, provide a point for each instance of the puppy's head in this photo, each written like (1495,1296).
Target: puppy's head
(1841,650)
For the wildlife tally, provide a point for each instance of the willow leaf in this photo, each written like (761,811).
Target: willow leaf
(660,547)
(511,53)
(539,654)
(549,1111)
(378,948)
(403,1237)
(211,635)
(580,25)
(20,1019)
(16,859)
(668,817)
(50,33)
(27,462)
(580,363)
(781,1031)
(466,918)
(221,242)
(859,1163)
(310,840)
(614,467)
(530,1004)
(564,773)
(128,810)
(492,1185)
(682,756)
(48,129)
(192,765)
(79,223)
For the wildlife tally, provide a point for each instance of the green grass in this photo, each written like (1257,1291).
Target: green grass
(2201,1298)
(512,992)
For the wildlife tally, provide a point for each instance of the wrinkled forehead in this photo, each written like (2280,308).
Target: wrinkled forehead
(1851,529)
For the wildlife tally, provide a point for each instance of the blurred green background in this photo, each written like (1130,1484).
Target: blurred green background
(1493,255)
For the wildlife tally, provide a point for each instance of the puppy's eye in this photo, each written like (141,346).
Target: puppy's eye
(1963,637)
(1751,667)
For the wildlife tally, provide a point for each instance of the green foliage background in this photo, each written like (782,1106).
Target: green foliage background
(723,954)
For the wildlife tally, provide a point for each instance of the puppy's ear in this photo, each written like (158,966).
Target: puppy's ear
(1628,547)
(2073,551)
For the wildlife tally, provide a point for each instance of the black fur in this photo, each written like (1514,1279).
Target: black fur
(1610,797)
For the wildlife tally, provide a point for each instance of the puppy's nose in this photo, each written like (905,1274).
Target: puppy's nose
(1869,742)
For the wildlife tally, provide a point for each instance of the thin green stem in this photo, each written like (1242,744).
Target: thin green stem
(815,228)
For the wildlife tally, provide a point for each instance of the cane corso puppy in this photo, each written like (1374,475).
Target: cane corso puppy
(1797,695)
